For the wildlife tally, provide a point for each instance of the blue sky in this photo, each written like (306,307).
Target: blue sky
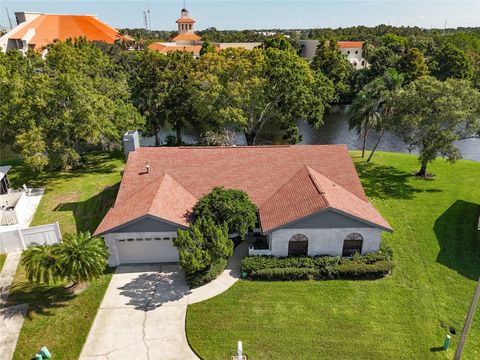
(256,14)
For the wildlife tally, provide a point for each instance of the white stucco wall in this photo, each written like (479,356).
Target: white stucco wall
(355,57)
(325,241)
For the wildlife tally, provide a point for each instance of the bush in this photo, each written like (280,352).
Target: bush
(286,274)
(361,270)
(255,263)
(369,266)
(205,276)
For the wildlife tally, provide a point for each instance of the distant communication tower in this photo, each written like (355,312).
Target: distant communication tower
(146,20)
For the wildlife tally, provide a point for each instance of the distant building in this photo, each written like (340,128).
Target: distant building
(37,30)
(353,50)
(187,40)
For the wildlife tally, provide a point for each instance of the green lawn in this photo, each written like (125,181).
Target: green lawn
(404,316)
(77,200)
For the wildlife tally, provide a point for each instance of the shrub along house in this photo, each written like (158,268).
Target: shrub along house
(309,200)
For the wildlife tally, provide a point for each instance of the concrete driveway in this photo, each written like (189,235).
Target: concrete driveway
(142,316)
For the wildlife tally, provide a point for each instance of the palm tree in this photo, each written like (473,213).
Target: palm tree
(82,257)
(363,114)
(370,110)
(40,263)
(78,258)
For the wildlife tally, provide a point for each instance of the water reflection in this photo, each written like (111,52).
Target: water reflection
(335,131)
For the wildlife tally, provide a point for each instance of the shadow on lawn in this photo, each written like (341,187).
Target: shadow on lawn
(387,182)
(41,298)
(89,213)
(457,235)
(93,163)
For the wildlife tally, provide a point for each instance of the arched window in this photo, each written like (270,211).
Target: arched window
(353,243)
(298,245)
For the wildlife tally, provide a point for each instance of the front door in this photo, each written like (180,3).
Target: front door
(298,245)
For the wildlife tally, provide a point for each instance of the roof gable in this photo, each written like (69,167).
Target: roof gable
(163,198)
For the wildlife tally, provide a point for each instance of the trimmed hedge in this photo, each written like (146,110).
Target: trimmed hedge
(370,266)
(286,274)
(205,276)
(360,270)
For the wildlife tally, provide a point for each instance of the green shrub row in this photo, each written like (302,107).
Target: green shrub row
(205,276)
(370,266)
(285,274)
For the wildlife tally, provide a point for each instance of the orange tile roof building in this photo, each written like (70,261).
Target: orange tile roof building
(37,30)
(304,193)
(186,40)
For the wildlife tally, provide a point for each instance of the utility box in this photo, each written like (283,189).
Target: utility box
(131,142)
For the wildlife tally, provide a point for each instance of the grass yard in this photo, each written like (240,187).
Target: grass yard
(78,200)
(404,316)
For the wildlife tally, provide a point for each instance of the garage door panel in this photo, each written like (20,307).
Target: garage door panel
(131,251)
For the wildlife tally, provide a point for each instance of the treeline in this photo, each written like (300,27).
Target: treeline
(84,96)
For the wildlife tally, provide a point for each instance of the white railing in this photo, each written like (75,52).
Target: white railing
(258,252)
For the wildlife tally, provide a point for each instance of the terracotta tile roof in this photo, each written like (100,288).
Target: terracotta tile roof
(186,37)
(195,49)
(282,181)
(309,192)
(350,44)
(50,27)
(185,20)
(163,197)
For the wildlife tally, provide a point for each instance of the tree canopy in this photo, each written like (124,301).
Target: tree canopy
(228,206)
(431,114)
(330,61)
(54,109)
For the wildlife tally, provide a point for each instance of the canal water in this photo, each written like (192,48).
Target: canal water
(335,131)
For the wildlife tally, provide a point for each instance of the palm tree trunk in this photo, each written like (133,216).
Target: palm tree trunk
(375,147)
(365,135)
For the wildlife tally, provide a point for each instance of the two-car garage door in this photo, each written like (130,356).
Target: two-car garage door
(146,250)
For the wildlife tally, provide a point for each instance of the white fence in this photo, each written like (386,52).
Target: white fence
(17,240)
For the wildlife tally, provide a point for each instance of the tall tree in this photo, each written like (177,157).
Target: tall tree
(381,59)
(413,65)
(371,110)
(74,99)
(162,91)
(333,64)
(250,89)
(431,115)
(451,62)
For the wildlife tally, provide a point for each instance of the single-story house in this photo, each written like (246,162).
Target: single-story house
(309,198)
